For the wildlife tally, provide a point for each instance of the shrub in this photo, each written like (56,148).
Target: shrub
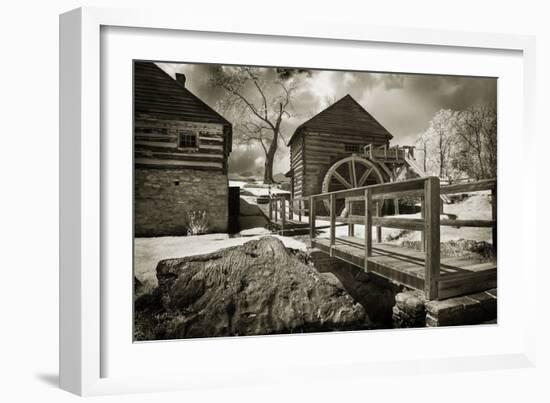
(197,222)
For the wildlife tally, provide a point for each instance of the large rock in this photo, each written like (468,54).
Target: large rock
(257,288)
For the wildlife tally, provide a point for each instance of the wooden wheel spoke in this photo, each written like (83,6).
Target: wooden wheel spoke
(364,177)
(352,173)
(342,180)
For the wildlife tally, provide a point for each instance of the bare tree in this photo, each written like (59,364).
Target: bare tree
(478,131)
(259,105)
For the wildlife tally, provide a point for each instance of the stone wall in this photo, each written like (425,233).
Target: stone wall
(411,310)
(163,197)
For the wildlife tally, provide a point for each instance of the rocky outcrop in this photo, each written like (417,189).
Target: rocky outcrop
(373,292)
(257,288)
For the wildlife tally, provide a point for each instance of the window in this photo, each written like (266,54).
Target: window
(188,140)
(352,148)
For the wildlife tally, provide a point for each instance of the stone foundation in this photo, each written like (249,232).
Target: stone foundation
(411,310)
(467,310)
(164,197)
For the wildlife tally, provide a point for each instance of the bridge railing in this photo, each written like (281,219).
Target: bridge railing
(427,188)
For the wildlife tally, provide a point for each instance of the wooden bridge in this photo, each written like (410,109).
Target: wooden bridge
(424,270)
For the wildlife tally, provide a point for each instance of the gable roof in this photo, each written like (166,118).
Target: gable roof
(160,96)
(345,116)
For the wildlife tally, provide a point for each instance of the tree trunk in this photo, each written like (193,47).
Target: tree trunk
(269,157)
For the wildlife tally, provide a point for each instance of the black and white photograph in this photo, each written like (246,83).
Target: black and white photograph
(279,200)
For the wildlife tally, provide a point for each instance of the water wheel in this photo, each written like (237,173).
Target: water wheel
(348,173)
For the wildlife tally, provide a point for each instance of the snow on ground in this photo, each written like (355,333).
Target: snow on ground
(149,251)
(255,231)
(258,188)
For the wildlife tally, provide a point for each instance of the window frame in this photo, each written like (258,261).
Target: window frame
(346,145)
(185,147)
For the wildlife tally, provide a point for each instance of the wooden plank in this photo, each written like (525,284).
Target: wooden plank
(312,218)
(486,184)
(494,217)
(378,227)
(170,123)
(210,147)
(332,219)
(468,223)
(407,266)
(470,275)
(368,226)
(169,162)
(422,216)
(174,148)
(179,155)
(463,286)
(155,136)
(431,197)
(349,209)
(216,139)
(162,144)
(414,224)
(418,192)
(379,189)
(283,212)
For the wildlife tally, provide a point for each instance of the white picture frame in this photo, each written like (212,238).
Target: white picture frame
(83,298)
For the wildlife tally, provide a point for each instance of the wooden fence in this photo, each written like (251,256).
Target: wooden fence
(428,190)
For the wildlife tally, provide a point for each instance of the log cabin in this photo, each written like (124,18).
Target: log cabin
(334,134)
(181,148)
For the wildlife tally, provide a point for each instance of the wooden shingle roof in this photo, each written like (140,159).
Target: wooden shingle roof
(345,116)
(160,96)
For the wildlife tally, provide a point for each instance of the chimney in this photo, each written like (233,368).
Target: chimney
(180,78)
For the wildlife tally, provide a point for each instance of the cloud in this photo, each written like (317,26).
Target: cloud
(403,103)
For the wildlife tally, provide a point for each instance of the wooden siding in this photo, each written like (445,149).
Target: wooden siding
(297,166)
(162,97)
(345,117)
(156,144)
(317,152)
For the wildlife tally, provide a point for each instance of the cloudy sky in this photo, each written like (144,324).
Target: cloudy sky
(403,103)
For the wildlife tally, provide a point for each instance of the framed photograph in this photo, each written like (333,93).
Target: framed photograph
(236,193)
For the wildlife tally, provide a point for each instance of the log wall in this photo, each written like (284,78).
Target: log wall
(313,153)
(171,181)
(156,145)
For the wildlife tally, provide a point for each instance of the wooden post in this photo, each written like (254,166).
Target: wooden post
(378,227)
(422,233)
(431,227)
(494,218)
(270,209)
(332,221)
(300,206)
(291,209)
(283,214)
(311,218)
(276,209)
(351,229)
(368,227)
